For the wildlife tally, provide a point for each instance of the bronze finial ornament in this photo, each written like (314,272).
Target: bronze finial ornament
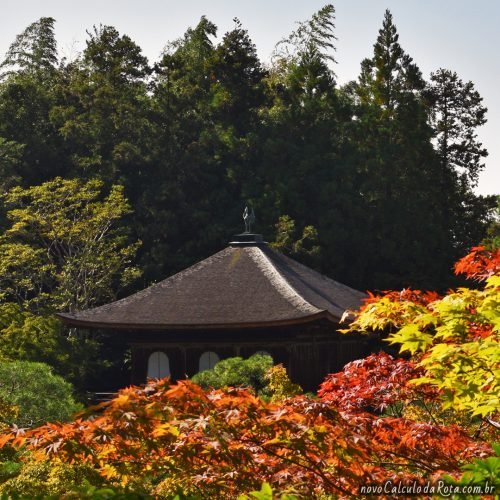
(249,218)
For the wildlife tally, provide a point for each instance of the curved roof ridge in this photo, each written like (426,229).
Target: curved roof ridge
(345,287)
(279,282)
(316,288)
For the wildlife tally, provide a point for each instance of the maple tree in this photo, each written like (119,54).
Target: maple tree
(224,442)
(377,383)
(454,338)
(480,263)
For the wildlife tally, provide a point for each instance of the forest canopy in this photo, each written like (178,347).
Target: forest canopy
(382,169)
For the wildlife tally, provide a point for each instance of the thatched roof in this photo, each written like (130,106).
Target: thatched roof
(244,285)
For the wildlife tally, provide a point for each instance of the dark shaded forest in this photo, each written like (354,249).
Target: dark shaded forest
(370,182)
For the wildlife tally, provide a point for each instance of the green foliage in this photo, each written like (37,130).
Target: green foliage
(397,161)
(101,110)
(9,469)
(44,479)
(236,372)
(37,392)
(280,385)
(492,239)
(457,112)
(463,363)
(456,337)
(62,250)
(35,49)
(28,336)
(480,472)
(266,493)
(356,169)
(10,155)
(287,240)
(208,126)
(34,337)
(314,37)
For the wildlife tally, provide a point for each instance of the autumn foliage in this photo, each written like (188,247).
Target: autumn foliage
(480,263)
(377,383)
(381,418)
(224,442)
(453,338)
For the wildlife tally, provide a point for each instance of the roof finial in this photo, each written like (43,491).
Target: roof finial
(249,218)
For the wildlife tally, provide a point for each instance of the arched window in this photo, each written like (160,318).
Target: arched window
(208,360)
(158,365)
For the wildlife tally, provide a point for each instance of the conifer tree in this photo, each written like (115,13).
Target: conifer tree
(456,112)
(398,171)
(29,75)
(34,50)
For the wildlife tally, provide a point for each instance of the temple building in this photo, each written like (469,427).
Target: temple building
(244,299)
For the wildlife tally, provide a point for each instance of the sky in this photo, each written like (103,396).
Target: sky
(458,35)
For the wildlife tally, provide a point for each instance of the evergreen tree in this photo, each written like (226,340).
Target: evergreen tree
(209,129)
(10,157)
(174,225)
(34,50)
(456,112)
(102,115)
(206,103)
(27,97)
(398,171)
(306,169)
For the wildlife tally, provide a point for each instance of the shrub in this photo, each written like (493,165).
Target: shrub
(36,392)
(237,372)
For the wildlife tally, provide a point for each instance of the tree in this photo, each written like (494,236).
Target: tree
(456,112)
(306,170)
(237,90)
(10,157)
(179,180)
(37,393)
(34,50)
(378,383)
(315,36)
(398,172)
(102,110)
(30,73)
(391,74)
(492,239)
(206,101)
(220,443)
(289,242)
(63,250)
(455,337)
(26,336)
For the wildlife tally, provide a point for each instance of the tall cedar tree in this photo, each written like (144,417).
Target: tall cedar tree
(28,140)
(306,173)
(399,171)
(456,111)
(103,111)
(206,101)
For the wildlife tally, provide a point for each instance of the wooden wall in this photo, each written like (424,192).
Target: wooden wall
(308,353)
